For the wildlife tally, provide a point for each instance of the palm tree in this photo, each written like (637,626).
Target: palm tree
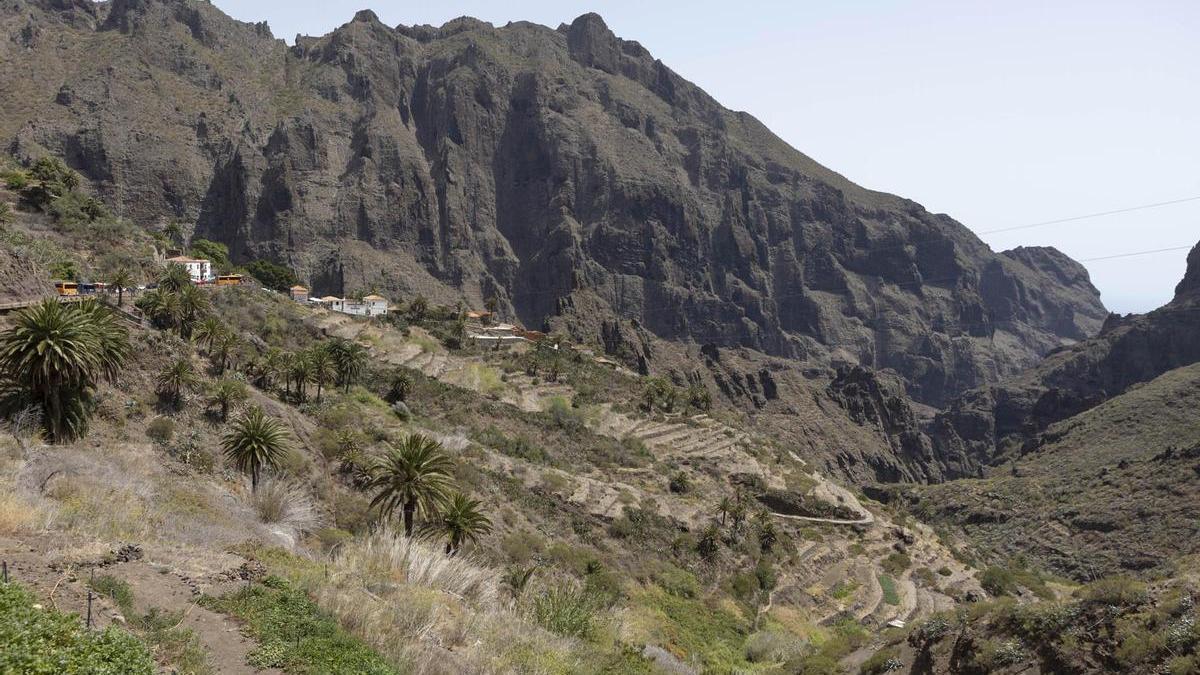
(767,534)
(272,367)
(710,542)
(207,331)
(256,442)
(350,360)
(414,477)
(461,522)
(174,278)
(724,507)
(122,279)
(193,303)
(55,354)
(162,306)
(177,378)
(400,386)
(227,394)
(301,373)
(223,347)
(323,370)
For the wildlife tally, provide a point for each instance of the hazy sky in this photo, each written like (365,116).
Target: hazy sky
(999,114)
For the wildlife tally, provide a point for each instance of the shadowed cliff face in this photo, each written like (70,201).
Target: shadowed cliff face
(565,171)
(996,423)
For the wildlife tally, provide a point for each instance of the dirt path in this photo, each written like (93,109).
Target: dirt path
(42,566)
(226,647)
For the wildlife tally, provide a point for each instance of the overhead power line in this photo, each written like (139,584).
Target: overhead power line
(1090,215)
(1130,255)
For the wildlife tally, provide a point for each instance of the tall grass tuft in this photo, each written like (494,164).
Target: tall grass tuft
(385,559)
(286,508)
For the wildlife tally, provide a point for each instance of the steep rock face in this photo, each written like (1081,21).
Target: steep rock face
(874,400)
(995,423)
(566,172)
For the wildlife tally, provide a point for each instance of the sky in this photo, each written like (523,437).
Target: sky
(998,114)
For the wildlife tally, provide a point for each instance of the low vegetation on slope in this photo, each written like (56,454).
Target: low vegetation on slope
(1115,625)
(36,640)
(1111,490)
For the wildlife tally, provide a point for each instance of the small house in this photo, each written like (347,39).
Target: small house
(199,269)
(376,305)
(298,293)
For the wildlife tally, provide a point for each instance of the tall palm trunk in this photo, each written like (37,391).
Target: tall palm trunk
(410,510)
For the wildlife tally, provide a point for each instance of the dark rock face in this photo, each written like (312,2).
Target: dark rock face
(567,172)
(875,400)
(994,423)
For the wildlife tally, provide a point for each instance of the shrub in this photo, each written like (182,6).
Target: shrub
(772,647)
(884,661)
(998,581)
(566,610)
(38,640)
(678,582)
(896,563)
(1115,590)
(680,483)
(161,430)
(279,503)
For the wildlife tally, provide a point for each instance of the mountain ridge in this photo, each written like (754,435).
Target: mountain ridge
(566,172)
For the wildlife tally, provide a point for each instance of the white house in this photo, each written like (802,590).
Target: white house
(199,269)
(371,305)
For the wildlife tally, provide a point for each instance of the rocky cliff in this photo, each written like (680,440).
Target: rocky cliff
(565,171)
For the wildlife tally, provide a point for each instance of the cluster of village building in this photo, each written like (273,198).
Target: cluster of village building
(482,326)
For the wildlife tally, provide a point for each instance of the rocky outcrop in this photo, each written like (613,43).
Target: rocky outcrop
(1189,288)
(566,172)
(878,401)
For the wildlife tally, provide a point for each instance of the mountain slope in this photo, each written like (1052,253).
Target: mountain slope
(566,172)
(1113,489)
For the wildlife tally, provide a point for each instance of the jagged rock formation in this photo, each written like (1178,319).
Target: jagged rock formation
(995,423)
(566,171)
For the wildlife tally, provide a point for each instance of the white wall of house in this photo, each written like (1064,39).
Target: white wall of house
(356,308)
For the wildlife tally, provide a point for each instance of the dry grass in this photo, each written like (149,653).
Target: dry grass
(429,613)
(18,514)
(384,560)
(287,509)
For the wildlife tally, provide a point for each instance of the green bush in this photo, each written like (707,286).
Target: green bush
(272,275)
(1115,590)
(896,563)
(215,252)
(883,661)
(38,641)
(998,581)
